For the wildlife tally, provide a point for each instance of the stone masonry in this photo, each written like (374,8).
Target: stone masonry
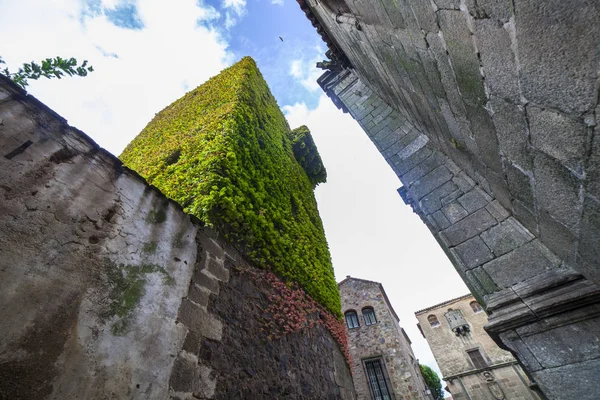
(385,340)
(486,111)
(500,377)
(109,291)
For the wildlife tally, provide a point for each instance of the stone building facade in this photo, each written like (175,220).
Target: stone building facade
(472,364)
(384,366)
(487,112)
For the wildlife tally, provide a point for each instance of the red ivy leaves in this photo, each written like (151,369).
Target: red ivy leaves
(291,310)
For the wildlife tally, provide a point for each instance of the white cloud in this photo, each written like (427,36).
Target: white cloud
(305,71)
(371,233)
(278,2)
(137,72)
(296,69)
(236,9)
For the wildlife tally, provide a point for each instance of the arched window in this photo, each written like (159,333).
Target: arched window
(476,307)
(369,316)
(433,321)
(352,319)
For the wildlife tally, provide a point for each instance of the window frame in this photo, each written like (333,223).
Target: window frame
(436,319)
(385,376)
(369,310)
(356,319)
(475,361)
(480,309)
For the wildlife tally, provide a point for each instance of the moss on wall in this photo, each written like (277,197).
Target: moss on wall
(307,155)
(224,152)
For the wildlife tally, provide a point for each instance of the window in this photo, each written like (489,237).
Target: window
(476,307)
(352,319)
(477,358)
(379,388)
(433,321)
(369,316)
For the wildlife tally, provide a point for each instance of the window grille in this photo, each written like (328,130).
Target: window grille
(369,316)
(477,359)
(352,319)
(377,382)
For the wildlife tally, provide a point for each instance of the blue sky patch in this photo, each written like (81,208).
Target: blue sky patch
(124,16)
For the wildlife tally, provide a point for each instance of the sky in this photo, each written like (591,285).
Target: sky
(148,53)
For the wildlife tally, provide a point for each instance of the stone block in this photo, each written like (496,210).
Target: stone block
(440,220)
(559,136)
(557,237)
(465,62)
(218,270)
(474,200)
(497,211)
(425,167)
(454,212)
(498,59)
(448,4)
(402,143)
(197,319)
(519,185)
(473,252)
(438,49)
(413,147)
(557,190)
(424,12)
(499,187)
(185,376)
(494,9)
(430,182)
(565,344)
(479,279)
(198,295)
(525,216)
(558,52)
(204,279)
(559,381)
(405,165)
(469,227)
(588,256)
(463,181)
(433,201)
(506,236)
(510,269)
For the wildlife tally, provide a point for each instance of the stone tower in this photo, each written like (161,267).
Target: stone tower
(384,366)
(471,363)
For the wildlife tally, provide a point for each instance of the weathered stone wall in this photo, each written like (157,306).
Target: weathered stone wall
(507,89)
(519,280)
(108,290)
(450,352)
(384,339)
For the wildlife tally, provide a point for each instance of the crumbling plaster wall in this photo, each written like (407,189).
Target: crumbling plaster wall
(109,291)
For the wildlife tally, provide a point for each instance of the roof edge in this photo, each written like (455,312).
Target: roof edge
(385,296)
(444,303)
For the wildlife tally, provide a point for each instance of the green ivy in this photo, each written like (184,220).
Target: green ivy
(224,152)
(307,155)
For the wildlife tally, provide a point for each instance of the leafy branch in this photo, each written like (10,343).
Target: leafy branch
(50,68)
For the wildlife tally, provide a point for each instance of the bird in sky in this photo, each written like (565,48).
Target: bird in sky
(280,38)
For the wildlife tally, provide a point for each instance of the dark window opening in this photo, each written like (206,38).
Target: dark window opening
(477,359)
(352,319)
(379,388)
(369,316)
(433,321)
(476,307)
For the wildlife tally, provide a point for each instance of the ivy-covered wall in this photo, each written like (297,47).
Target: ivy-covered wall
(225,152)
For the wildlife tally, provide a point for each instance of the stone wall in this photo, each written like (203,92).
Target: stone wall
(385,339)
(463,378)
(108,290)
(519,279)
(507,89)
